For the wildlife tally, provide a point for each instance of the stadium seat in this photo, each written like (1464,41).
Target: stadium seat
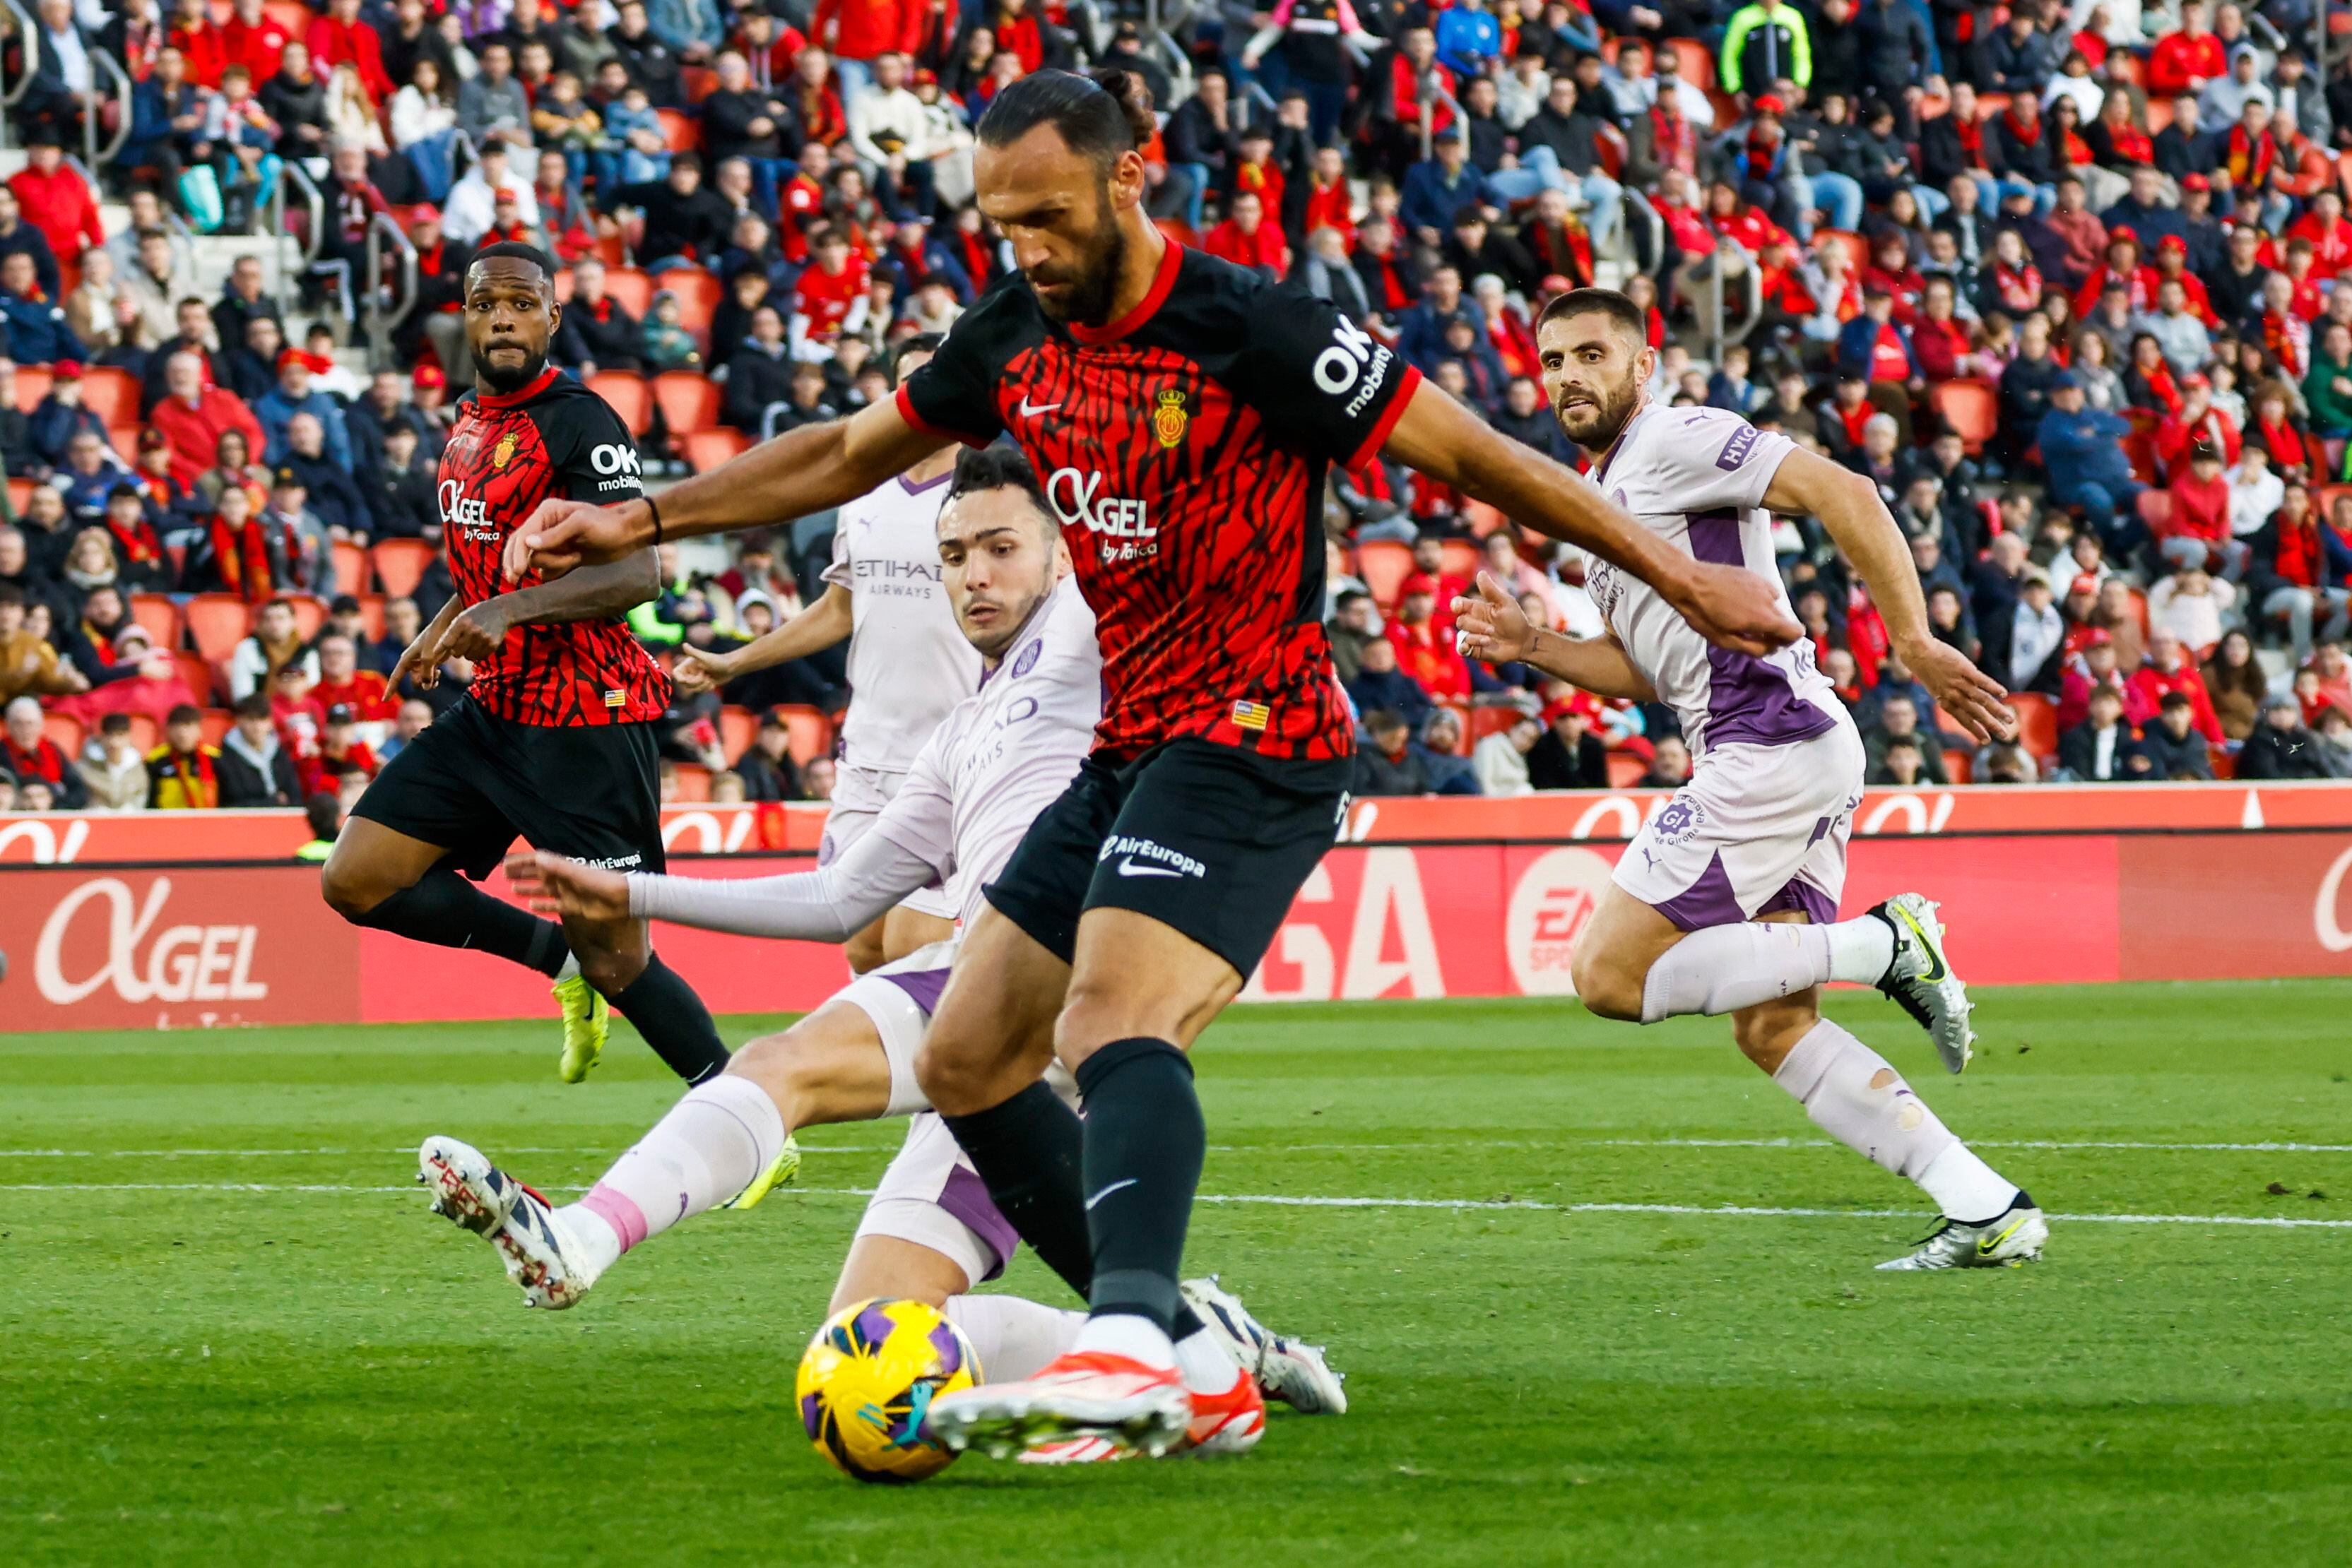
(700,294)
(680,130)
(2037,724)
(630,288)
(1625,769)
(372,615)
(20,490)
(613,250)
(1971,407)
(350,567)
(699,81)
(688,400)
(706,449)
(198,672)
(2225,763)
(218,722)
(1383,564)
(401,565)
(125,439)
(1486,721)
(217,622)
(1178,230)
(1463,712)
(812,731)
(309,613)
(737,727)
(64,729)
(160,617)
(2160,108)
(1461,558)
(1483,519)
(628,393)
(291,15)
(32,384)
(113,394)
(690,783)
(1960,764)
(145,733)
(2327,497)
(2154,509)
(562,286)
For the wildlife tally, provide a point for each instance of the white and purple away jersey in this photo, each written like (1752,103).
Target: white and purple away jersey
(1004,753)
(1697,476)
(909,661)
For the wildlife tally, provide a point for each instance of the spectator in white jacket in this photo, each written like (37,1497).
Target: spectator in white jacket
(1500,761)
(472,207)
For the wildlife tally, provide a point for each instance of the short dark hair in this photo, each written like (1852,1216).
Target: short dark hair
(120,723)
(1608,302)
(189,713)
(920,344)
(255,706)
(1001,467)
(1104,114)
(11,594)
(1385,721)
(520,252)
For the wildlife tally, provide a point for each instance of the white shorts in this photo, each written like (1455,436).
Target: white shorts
(1757,829)
(858,796)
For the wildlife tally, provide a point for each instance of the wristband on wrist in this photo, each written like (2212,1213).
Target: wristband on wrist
(654,512)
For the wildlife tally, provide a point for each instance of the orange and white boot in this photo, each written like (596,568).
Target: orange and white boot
(1129,1404)
(1230,1422)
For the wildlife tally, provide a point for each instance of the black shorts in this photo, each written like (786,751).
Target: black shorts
(1213,840)
(472,784)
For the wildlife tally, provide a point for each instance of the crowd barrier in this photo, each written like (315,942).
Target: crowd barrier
(151,921)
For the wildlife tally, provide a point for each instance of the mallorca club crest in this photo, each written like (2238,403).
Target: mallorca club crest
(503,453)
(1168,419)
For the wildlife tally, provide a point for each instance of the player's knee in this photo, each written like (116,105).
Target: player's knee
(1607,989)
(864,950)
(349,891)
(951,1079)
(607,970)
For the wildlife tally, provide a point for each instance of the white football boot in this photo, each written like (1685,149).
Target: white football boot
(471,1192)
(1285,1369)
(2015,1237)
(1920,980)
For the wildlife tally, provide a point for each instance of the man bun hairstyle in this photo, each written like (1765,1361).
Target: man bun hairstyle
(1608,302)
(1104,114)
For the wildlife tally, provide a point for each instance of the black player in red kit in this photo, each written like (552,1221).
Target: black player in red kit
(1183,413)
(554,741)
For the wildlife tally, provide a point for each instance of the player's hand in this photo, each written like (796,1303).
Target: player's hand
(476,635)
(421,659)
(698,671)
(1968,696)
(561,535)
(1491,626)
(1735,609)
(555,885)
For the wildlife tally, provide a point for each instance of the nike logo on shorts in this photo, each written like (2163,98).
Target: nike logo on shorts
(1128,868)
(1108,1191)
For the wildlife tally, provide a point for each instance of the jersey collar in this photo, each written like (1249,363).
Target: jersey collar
(539,384)
(1171,261)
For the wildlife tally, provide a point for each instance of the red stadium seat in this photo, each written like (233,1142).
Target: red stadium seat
(309,613)
(1960,764)
(630,288)
(401,565)
(2155,509)
(1625,769)
(613,250)
(700,294)
(113,394)
(1486,721)
(564,286)
(737,727)
(217,622)
(32,384)
(2037,724)
(2160,108)
(372,615)
(291,15)
(690,783)
(688,400)
(812,731)
(1483,519)
(630,398)
(699,81)
(160,617)
(125,439)
(20,490)
(350,567)
(1383,564)
(198,672)
(1461,558)
(145,733)
(679,128)
(1182,232)
(218,722)
(706,449)
(1971,407)
(64,729)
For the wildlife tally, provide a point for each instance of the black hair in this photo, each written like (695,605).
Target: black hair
(1607,302)
(120,723)
(920,344)
(521,252)
(1104,114)
(253,706)
(189,713)
(1001,467)
(1385,721)
(324,813)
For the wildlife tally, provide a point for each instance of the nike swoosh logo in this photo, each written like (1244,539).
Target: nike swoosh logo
(1936,975)
(1031,410)
(1988,1245)
(1128,868)
(1108,1191)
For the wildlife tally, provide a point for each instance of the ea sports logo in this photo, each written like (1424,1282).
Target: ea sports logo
(1551,903)
(614,458)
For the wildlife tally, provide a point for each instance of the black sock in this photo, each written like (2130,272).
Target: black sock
(672,1021)
(1145,1143)
(1030,1151)
(445,909)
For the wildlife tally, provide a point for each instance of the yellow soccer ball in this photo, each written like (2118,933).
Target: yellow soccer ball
(866,1383)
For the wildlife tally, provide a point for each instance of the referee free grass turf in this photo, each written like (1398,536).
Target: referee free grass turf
(261,1349)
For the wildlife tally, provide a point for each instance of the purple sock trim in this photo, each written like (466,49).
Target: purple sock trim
(615,1209)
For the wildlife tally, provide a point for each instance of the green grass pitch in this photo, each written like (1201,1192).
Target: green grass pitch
(230,1332)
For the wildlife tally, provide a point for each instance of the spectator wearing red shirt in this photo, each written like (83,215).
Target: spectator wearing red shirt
(2171,669)
(2196,422)
(2329,234)
(340,752)
(2197,534)
(857,30)
(2094,668)
(1424,650)
(55,199)
(1247,239)
(340,36)
(196,414)
(799,202)
(1414,63)
(1329,203)
(2183,62)
(342,683)
(204,44)
(834,284)
(255,40)
(29,753)
(2122,264)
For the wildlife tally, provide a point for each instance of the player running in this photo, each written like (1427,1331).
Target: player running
(908,665)
(1726,902)
(930,1232)
(1184,413)
(555,740)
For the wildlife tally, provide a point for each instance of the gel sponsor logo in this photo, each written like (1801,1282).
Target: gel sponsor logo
(1353,358)
(460,510)
(182,963)
(1551,905)
(1077,499)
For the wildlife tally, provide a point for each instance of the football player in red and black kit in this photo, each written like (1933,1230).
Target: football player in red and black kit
(1184,413)
(554,741)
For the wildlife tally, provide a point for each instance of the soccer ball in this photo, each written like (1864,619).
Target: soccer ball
(868,1380)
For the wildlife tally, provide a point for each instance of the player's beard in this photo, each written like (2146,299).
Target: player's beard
(1094,276)
(499,382)
(1596,425)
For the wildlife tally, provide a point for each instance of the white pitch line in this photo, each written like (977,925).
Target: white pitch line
(1277,1200)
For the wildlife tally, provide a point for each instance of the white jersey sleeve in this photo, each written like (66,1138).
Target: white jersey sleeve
(909,662)
(1711,460)
(920,819)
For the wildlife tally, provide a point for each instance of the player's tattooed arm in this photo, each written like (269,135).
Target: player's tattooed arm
(818,627)
(591,593)
(810,469)
(1445,441)
(1491,626)
(1849,507)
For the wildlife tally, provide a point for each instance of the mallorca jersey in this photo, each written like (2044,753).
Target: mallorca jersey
(1697,476)
(1183,448)
(909,662)
(1005,754)
(506,455)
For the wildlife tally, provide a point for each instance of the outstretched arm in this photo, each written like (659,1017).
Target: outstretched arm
(804,470)
(818,627)
(830,903)
(593,593)
(1493,628)
(1445,441)
(1848,506)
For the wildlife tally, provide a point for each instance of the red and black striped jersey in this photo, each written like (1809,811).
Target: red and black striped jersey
(506,455)
(1183,449)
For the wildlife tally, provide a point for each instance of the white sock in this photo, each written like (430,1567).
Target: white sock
(1724,969)
(570,968)
(1853,1095)
(1204,1363)
(1012,1337)
(1125,1334)
(709,1148)
(1966,1188)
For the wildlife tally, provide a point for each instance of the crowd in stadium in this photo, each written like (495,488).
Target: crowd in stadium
(2062,279)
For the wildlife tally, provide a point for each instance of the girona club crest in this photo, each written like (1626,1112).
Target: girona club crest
(1167,420)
